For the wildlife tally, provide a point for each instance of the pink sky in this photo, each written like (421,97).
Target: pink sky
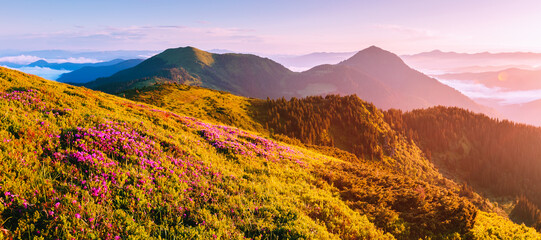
(273,27)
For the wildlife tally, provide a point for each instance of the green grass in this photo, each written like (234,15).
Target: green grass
(198,102)
(87,165)
(253,196)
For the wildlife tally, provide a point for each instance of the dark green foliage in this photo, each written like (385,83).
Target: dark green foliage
(527,213)
(499,157)
(345,122)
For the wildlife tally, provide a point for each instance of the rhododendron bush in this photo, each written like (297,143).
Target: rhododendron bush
(78,165)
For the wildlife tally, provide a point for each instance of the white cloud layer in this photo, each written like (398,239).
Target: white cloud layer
(73,60)
(26,59)
(21,59)
(479,91)
(47,73)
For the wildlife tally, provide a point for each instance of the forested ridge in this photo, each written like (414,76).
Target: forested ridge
(499,157)
(327,121)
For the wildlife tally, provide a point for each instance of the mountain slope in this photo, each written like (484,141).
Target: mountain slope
(417,89)
(83,164)
(361,129)
(529,113)
(242,74)
(340,79)
(91,73)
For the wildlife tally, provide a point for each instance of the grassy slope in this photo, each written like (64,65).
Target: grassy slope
(222,107)
(200,102)
(83,164)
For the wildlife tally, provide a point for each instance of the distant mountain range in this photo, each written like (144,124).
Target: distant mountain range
(529,113)
(452,62)
(518,84)
(71,66)
(482,55)
(374,74)
(91,73)
(415,89)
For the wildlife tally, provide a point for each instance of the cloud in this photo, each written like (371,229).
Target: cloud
(479,91)
(47,73)
(145,56)
(74,60)
(21,59)
(27,59)
(138,38)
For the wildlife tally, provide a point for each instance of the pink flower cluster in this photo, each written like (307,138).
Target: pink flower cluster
(31,98)
(113,160)
(232,140)
(100,150)
(28,98)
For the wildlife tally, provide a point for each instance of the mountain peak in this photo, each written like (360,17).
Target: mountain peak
(38,63)
(375,51)
(375,56)
(182,55)
(373,48)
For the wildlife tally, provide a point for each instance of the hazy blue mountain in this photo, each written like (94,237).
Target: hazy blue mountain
(71,66)
(91,73)
(11,65)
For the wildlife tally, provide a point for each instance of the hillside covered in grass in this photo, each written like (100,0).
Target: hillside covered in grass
(354,179)
(315,121)
(83,164)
